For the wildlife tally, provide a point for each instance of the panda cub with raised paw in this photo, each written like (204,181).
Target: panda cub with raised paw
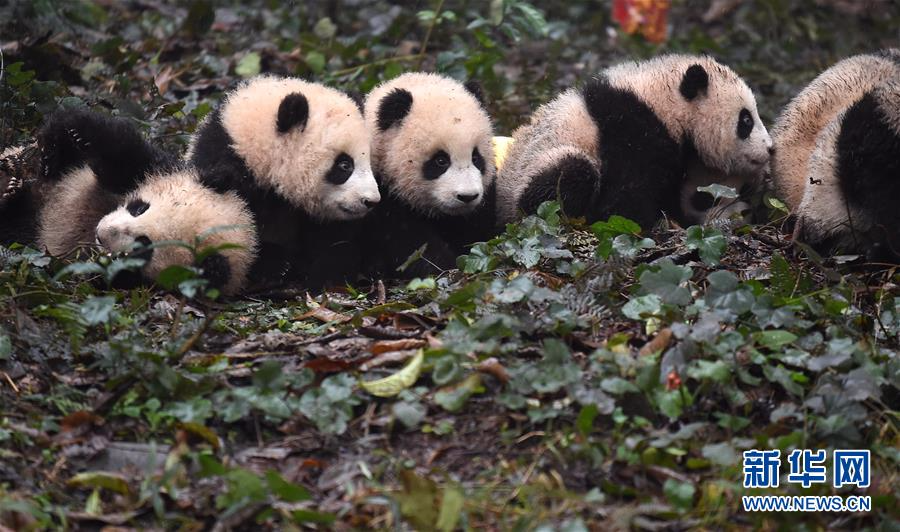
(433,156)
(298,153)
(624,142)
(837,161)
(101,183)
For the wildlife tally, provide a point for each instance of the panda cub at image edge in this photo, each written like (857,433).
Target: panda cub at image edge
(432,152)
(624,143)
(298,153)
(796,129)
(851,200)
(136,195)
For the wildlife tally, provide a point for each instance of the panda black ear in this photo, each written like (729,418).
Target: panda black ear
(293,111)
(695,81)
(475,89)
(393,108)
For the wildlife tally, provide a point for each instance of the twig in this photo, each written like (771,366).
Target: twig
(189,343)
(423,48)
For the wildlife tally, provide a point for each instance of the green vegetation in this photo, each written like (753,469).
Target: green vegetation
(566,376)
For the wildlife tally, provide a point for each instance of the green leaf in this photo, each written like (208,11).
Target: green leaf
(586,416)
(719,191)
(667,281)
(250,65)
(617,385)
(5,346)
(452,501)
(284,490)
(97,310)
(174,275)
(640,307)
(452,398)
(679,494)
(410,413)
(722,454)
(315,61)
(709,242)
(774,340)
(325,28)
(427,283)
(101,479)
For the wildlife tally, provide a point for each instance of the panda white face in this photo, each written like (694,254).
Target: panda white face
(432,143)
(349,190)
(306,141)
(726,129)
(175,207)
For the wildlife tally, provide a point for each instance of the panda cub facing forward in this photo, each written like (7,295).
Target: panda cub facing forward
(298,154)
(433,155)
(624,143)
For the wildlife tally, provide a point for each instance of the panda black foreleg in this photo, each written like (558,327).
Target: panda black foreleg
(116,151)
(573,180)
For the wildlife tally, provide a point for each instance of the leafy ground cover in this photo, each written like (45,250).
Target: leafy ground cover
(564,377)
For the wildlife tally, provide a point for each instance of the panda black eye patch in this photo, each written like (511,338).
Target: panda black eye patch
(137,207)
(436,165)
(745,124)
(341,170)
(478,160)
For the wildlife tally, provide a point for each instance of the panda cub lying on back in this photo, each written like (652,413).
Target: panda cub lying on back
(433,156)
(624,143)
(102,182)
(837,159)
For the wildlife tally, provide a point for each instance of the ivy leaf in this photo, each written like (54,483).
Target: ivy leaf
(667,281)
(679,494)
(250,65)
(719,191)
(97,310)
(640,307)
(709,242)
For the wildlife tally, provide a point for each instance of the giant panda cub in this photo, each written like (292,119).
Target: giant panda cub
(433,156)
(102,182)
(623,143)
(837,161)
(298,153)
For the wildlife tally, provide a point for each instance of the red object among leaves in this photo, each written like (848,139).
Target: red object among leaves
(647,17)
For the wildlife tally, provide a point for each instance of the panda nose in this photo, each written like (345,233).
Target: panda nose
(467,198)
(771,150)
(369,203)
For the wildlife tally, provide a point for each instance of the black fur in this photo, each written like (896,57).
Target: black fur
(293,246)
(216,270)
(393,108)
(868,153)
(395,231)
(292,112)
(475,89)
(574,180)
(436,165)
(694,82)
(115,150)
(642,166)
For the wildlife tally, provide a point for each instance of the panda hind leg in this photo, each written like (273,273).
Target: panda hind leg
(116,151)
(572,179)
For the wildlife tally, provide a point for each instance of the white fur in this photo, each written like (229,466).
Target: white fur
(563,126)
(295,163)
(444,116)
(182,209)
(797,128)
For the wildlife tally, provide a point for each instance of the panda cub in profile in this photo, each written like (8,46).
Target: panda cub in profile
(624,143)
(102,182)
(433,156)
(837,162)
(298,154)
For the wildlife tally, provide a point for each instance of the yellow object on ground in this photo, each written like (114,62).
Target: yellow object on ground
(501,148)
